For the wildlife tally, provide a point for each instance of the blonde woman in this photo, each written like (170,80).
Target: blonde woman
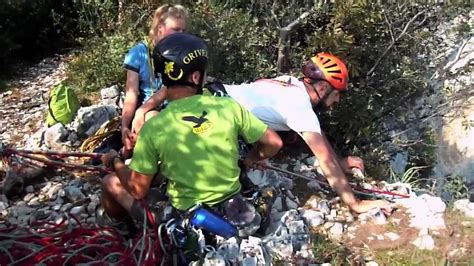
(144,92)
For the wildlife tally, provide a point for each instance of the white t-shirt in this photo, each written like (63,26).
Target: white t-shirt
(282,103)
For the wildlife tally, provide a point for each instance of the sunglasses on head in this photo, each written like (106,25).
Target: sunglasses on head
(178,29)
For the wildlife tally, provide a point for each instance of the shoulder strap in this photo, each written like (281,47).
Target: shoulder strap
(216,88)
(147,45)
(50,111)
(144,44)
(278,82)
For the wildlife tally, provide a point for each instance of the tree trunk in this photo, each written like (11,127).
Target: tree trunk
(283,43)
(120,12)
(283,51)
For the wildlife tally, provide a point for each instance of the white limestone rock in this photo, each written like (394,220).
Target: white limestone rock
(424,242)
(55,136)
(312,218)
(89,119)
(465,207)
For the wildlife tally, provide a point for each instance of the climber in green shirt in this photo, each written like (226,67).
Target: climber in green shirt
(193,143)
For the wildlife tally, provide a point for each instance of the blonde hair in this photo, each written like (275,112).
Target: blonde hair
(163,12)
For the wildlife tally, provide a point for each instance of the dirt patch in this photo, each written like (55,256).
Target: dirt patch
(382,237)
(457,244)
(392,242)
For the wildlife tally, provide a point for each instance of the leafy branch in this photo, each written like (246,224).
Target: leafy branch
(404,31)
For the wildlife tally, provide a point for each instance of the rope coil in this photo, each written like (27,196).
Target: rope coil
(69,242)
(105,132)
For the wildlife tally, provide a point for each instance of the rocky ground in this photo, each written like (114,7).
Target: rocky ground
(22,114)
(423,230)
(23,106)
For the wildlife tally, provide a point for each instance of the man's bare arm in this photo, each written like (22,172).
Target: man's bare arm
(134,183)
(131,98)
(335,176)
(267,146)
(155,101)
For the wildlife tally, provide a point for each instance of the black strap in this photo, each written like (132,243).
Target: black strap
(216,88)
(50,111)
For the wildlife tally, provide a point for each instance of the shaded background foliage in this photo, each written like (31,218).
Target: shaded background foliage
(379,41)
(237,55)
(30,30)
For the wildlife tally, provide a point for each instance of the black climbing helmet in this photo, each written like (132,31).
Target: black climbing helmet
(178,55)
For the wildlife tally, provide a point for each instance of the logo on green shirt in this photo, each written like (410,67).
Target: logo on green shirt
(202,124)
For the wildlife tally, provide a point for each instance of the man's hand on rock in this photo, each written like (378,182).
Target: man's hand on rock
(350,162)
(367,205)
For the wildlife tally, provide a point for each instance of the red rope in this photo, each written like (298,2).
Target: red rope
(376,191)
(32,157)
(60,154)
(326,184)
(44,242)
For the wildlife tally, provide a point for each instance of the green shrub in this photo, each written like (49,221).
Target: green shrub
(96,17)
(358,32)
(240,49)
(99,64)
(453,188)
(100,61)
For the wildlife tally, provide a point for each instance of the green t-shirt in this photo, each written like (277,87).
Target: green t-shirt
(193,142)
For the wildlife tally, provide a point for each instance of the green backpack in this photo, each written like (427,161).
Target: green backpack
(62,105)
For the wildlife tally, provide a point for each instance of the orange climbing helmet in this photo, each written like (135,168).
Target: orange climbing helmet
(328,67)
